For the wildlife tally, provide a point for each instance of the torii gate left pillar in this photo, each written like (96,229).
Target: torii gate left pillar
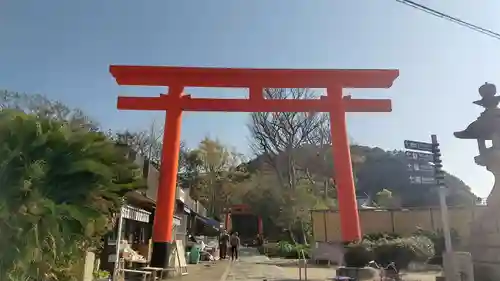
(176,78)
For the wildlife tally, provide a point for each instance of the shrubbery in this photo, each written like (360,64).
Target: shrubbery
(359,254)
(61,189)
(380,235)
(292,251)
(437,237)
(284,249)
(385,250)
(402,251)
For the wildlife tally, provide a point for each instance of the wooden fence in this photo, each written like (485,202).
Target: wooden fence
(326,223)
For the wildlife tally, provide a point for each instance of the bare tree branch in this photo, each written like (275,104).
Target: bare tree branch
(276,136)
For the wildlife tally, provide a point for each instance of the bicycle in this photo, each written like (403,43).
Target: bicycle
(383,271)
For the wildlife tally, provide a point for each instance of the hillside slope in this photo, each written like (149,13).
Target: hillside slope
(375,169)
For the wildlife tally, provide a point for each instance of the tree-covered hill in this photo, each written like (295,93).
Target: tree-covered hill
(375,170)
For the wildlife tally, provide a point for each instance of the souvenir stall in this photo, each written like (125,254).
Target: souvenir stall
(130,240)
(134,240)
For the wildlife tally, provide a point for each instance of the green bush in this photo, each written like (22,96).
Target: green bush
(304,248)
(285,248)
(61,189)
(101,274)
(437,238)
(293,251)
(402,251)
(358,254)
(380,235)
(423,248)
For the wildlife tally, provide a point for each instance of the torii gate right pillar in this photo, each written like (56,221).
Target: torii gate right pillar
(346,192)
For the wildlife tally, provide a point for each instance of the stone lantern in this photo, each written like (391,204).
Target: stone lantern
(484,242)
(486,127)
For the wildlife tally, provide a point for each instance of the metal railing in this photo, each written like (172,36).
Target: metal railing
(302,265)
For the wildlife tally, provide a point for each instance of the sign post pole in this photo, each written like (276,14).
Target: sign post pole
(442,194)
(448,257)
(426,169)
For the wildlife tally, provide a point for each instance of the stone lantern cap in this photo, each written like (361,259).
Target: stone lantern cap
(489,99)
(488,122)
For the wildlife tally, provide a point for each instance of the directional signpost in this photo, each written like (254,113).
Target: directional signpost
(419,167)
(416,145)
(422,180)
(415,167)
(426,169)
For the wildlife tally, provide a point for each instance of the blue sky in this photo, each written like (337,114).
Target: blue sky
(63,49)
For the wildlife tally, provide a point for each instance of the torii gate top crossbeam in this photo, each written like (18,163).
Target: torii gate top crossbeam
(248,78)
(255,80)
(186,103)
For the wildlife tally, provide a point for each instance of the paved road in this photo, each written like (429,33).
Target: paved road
(251,266)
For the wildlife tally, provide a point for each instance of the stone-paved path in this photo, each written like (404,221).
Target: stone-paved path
(251,267)
(254,267)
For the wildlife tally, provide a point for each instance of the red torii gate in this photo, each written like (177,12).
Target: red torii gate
(176,78)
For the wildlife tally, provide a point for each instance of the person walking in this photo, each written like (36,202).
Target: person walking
(235,246)
(223,244)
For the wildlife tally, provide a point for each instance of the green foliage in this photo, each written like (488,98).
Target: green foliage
(359,254)
(285,249)
(381,169)
(43,107)
(437,238)
(402,251)
(101,274)
(380,235)
(61,187)
(385,250)
(384,199)
(375,170)
(211,172)
(301,248)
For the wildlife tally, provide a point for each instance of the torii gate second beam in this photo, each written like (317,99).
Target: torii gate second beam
(176,78)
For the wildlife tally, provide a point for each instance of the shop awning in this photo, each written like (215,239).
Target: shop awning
(209,221)
(134,213)
(206,226)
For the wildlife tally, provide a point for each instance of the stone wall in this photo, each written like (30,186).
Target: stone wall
(326,223)
(484,241)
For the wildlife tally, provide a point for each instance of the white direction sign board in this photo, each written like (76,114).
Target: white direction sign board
(420,167)
(419,163)
(418,145)
(422,180)
(419,156)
